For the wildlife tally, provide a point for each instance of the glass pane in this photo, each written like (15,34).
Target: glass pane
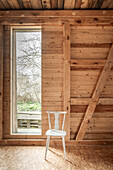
(28,83)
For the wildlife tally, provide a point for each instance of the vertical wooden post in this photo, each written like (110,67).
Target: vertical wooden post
(66,82)
(1,82)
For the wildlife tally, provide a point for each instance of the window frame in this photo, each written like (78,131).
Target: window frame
(13,117)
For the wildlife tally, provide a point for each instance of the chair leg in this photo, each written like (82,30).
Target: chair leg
(63,140)
(47,145)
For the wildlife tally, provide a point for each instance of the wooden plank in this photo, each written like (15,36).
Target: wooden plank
(80,101)
(20,2)
(6,110)
(93,4)
(78,4)
(99,4)
(27,4)
(91,35)
(69,4)
(2,5)
(87,21)
(6,4)
(88,53)
(84,4)
(60,4)
(96,95)
(46,4)
(86,63)
(14,4)
(95,115)
(86,101)
(66,81)
(1,82)
(54,4)
(58,13)
(85,73)
(36,4)
(106,4)
(90,3)
(101,136)
(111,5)
(42,142)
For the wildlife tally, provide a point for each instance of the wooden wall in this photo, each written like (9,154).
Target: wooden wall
(52,76)
(89,50)
(77,71)
(52,71)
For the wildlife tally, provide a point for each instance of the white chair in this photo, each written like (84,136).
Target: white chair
(56,131)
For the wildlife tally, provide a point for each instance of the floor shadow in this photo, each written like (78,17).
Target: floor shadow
(55,153)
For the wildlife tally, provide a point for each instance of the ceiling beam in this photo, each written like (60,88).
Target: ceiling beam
(57,13)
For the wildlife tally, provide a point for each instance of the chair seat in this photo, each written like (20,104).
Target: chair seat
(54,132)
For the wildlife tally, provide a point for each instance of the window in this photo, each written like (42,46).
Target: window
(26,79)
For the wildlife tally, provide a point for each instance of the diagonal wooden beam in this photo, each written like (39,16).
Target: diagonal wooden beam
(99,87)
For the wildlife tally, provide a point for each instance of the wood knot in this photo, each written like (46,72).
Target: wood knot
(96,19)
(79,21)
(68,37)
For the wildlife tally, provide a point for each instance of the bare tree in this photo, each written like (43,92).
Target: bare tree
(28,55)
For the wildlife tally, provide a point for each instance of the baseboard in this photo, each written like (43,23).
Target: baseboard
(42,142)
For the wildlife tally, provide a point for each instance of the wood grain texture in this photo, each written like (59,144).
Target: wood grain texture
(1,82)
(6,4)
(57,4)
(60,4)
(84,4)
(69,4)
(57,13)
(78,4)
(99,3)
(20,2)
(96,95)
(27,4)
(54,4)
(90,42)
(14,4)
(46,4)
(66,81)
(2,5)
(36,4)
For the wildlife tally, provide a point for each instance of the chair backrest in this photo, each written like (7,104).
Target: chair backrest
(56,114)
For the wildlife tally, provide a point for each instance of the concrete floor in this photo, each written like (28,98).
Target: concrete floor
(78,158)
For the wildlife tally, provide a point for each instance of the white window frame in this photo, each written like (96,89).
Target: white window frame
(13,117)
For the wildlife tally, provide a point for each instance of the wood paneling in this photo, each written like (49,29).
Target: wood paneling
(52,75)
(86,68)
(74,53)
(58,13)
(56,4)
(52,71)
